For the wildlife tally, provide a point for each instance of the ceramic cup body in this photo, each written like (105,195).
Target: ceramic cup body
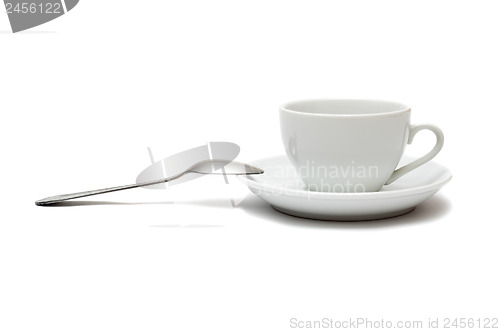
(345,145)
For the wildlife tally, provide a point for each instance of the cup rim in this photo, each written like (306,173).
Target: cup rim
(401,109)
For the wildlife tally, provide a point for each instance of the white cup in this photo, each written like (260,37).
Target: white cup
(349,145)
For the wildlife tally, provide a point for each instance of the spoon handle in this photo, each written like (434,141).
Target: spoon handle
(65,197)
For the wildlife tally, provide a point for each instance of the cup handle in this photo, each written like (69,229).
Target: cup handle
(414,129)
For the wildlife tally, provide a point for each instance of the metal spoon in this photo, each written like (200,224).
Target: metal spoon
(214,166)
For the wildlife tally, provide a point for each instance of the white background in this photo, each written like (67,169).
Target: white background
(83,96)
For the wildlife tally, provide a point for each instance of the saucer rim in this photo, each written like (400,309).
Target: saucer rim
(442,180)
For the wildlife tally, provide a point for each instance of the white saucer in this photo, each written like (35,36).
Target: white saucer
(281,187)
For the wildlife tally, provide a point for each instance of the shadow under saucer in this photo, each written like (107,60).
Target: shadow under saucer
(430,210)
